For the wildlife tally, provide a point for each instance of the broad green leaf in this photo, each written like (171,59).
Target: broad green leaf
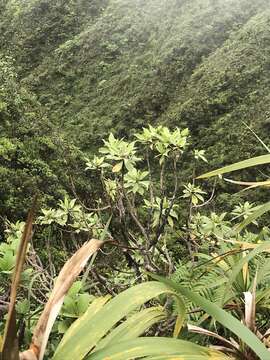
(69,307)
(224,318)
(87,331)
(259,160)
(141,347)
(63,326)
(94,307)
(75,288)
(172,357)
(129,165)
(83,303)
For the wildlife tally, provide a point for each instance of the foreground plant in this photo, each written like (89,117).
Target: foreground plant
(254,348)
(98,334)
(236,281)
(252,162)
(111,328)
(9,348)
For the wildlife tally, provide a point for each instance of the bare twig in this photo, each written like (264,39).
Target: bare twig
(210,199)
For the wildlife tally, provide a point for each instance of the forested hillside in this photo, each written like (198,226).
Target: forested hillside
(109,112)
(98,65)
(101,66)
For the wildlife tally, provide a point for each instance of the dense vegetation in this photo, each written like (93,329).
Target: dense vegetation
(109,112)
(102,66)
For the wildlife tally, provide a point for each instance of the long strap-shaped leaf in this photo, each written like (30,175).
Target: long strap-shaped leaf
(93,308)
(149,346)
(255,215)
(67,275)
(10,349)
(88,330)
(259,160)
(224,318)
(187,357)
(249,184)
(237,268)
(134,326)
(179,357)
(226,343)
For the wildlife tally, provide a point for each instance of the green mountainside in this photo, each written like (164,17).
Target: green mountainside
(117,65)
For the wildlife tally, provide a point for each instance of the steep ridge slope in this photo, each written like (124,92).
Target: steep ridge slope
(116,65)
(127,67)
(230,87)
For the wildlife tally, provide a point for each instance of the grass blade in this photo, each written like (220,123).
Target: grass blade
(224,318)
(249,184)
(259,160)
(201,331)
(258,138)
(255,215)
(241,263)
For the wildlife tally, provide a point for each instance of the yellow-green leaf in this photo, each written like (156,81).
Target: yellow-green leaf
(141,347)
(259,160)
(118,167)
